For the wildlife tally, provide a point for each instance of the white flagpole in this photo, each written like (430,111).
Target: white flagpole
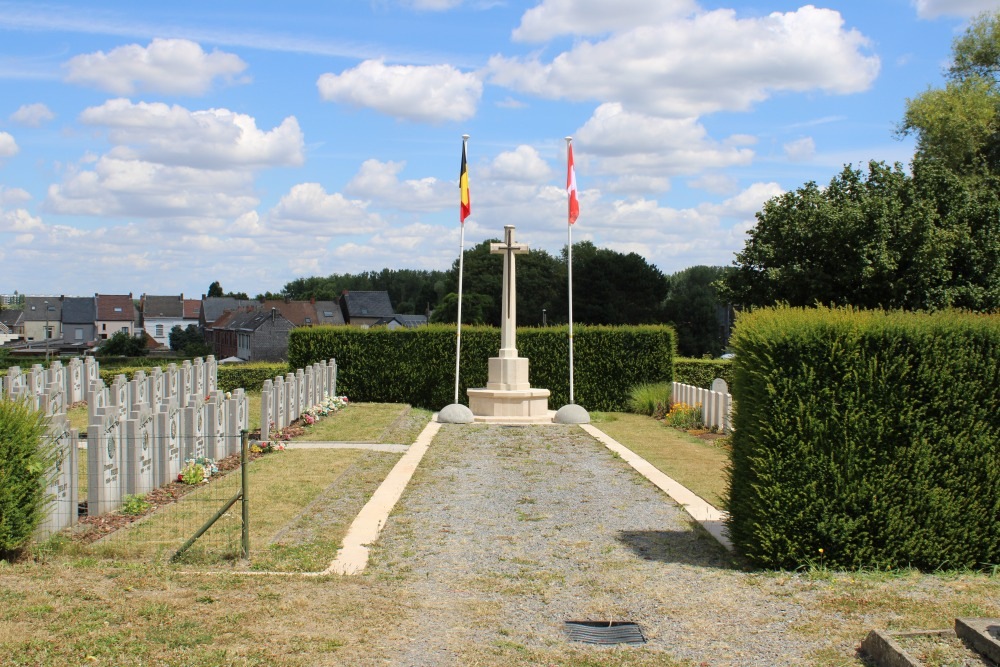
(461,266)
(569,260)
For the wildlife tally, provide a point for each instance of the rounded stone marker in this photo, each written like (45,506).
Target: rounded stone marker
(456,413)
(572,414)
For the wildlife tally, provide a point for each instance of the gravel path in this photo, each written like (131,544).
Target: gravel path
(507,532)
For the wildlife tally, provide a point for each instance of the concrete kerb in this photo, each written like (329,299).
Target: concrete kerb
(709,517)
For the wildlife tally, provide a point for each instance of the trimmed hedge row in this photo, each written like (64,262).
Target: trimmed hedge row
(701,372)
(231,376)
(874,437)
(417,366)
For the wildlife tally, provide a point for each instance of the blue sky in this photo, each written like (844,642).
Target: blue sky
(157,147)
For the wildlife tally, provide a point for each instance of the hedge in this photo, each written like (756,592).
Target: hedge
(874,437)
(701,372)
(417,366)
(250,376)
(26,455)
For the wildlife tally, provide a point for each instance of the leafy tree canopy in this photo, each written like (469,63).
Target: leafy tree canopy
(123,344)
(695,310)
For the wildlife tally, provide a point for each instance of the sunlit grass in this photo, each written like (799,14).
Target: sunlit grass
(359,422)
(697,464)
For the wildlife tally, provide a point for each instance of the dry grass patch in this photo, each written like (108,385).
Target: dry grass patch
(282,485)
(697,464)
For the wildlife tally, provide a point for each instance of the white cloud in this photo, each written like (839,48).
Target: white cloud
(929,9)
(211,139)
(523,164)
(552,18)
(309,210)
(13,196)
(434,5)
(636,144)
(8,147)
(137,188)
(690,67)
(747,203)
(431,94)
(800,150)
(379,181)
(19,221)
(169,66)
(714,182)
(32,115)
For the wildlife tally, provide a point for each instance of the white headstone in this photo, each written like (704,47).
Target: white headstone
(62,488)
(168,455)
(104,471)
(139,452)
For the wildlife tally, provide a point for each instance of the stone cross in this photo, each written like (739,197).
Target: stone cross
(508,321)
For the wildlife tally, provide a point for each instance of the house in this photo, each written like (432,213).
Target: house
(42,318)
(363,309)
(261,335)
(192,312)
(212,308)
(221,337)
(299,313)
(79,317)
(328,312)
(160,314)
(402,322)
(13,322)
(115,312)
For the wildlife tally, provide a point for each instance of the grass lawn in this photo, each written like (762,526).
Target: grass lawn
(696,463)
(390,423)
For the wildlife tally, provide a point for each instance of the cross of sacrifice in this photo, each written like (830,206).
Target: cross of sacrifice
(508,347)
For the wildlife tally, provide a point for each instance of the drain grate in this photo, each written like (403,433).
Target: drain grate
(605,632)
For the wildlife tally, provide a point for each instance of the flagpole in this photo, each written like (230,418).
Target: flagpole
(569,261)
(461,267)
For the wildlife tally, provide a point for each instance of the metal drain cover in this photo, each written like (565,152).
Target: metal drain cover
(605,632)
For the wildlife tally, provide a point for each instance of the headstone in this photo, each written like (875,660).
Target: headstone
(62,488)
(156,388)
(54,401)
(186,382)
(99,400)
(76,392)
(15,382)
(266,409)
(719,385)
(167,461)
(120,397)
(321,381)
(193,418)
(215,428)
(198,377)
(211,373)
(91,374)
(104,472)
(279,403)
(291,399)
(236,414)
(310,388)
(172,383)
(301,405)
(138,452)
(331,369)
(36,385)
(139,392)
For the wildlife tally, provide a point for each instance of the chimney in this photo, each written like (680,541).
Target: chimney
(345,292)
(312,300)
(288,298)
(273,313)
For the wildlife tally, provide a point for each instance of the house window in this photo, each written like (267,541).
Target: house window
(118,309)
(48,332)
(125,329)
(309,320)
(104,327)
(78,334)
(159,331)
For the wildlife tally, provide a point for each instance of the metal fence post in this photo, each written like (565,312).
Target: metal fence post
(244,481)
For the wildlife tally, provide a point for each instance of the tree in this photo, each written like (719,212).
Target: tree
(693,307)
(123,344)
(215,289)
(190,342)
(614,288)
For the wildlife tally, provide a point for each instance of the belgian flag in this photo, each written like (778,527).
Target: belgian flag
(463,187)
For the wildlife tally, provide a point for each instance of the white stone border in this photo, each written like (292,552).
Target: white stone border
(711,519)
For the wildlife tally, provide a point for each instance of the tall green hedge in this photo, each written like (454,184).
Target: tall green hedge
(417,366)
(701,372)
(26,455)
(874,437)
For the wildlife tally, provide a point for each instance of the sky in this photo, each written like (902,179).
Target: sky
(158,147)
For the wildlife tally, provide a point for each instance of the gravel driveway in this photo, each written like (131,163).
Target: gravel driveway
(507,532)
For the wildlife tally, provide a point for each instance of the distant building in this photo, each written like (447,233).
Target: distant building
(160,314)
(402,322)
(79,317)
(42,318)
(115,312)
(363,309)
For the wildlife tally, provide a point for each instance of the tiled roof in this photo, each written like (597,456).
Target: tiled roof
(299,313)
(192,309)
(163,306)
(367,304)
(11,317)
(328,312)
(112,307)
(253,320)
(79,310)
(213,307)
(42,308)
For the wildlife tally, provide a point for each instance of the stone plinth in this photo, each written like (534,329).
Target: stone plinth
(511,406)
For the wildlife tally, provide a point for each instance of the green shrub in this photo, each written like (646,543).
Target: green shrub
(701,372)
(193,473)
(417,366)
(134,505)
(26,456)
(684,416)
(872,436)
(650,398)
